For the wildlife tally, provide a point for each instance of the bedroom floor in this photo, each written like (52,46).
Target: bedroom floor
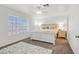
(61,47)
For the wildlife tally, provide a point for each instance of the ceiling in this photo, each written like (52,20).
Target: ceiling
(52,9)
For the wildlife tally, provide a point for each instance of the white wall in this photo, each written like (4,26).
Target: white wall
(47,20)
(4,38)
(74,28)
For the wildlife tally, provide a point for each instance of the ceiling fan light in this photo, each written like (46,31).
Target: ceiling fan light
(39,12)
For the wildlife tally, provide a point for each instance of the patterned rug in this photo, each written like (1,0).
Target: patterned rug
(25,48)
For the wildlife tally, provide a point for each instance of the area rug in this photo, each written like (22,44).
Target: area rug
(25,48)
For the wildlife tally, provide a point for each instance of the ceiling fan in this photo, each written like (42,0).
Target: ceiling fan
(42,8)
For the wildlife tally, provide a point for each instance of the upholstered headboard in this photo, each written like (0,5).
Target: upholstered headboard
(49,27)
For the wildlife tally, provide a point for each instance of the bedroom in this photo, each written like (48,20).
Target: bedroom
(38,25)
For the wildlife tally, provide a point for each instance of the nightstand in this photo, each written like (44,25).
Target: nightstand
(62,34)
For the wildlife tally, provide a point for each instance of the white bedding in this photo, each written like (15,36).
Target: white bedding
(45,36)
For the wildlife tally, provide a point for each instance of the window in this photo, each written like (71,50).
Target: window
(16,25)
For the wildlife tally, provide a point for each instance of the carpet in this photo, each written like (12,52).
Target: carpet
(25,48)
